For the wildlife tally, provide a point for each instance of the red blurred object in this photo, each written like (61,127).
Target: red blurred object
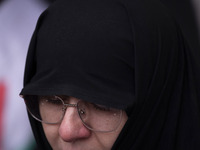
(2,99)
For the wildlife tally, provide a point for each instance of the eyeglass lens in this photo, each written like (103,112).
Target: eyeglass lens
(51,110)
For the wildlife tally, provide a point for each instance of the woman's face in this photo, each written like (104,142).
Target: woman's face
(71,134)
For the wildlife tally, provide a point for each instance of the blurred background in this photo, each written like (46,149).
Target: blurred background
(17,22)
(196,4)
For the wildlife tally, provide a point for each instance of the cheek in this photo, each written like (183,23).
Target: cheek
(108,139)
(51,132)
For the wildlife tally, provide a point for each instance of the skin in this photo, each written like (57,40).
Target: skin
(71,134)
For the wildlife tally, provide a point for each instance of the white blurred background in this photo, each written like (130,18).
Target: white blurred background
(17,22)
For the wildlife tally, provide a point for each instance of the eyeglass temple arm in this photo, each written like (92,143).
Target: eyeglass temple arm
(67,105)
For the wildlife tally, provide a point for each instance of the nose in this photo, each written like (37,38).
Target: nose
(71,128)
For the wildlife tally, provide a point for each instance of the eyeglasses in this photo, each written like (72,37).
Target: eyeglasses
(51,110)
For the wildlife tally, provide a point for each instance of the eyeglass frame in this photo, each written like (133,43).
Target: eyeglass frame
(64,110)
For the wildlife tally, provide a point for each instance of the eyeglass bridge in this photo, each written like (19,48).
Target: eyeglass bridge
(70,105)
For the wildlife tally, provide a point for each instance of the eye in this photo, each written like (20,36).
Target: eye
(101,107)
(50,101)
(53,101)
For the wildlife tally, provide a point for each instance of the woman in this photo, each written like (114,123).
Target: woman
(107,74)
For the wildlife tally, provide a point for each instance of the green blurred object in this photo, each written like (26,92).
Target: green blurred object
(31,145)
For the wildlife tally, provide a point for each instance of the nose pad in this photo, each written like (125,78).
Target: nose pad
(71,127)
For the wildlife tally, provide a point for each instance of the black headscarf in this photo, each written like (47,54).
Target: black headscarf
(128,54)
